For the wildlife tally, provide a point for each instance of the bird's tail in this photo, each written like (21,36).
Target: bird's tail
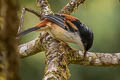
(37,27)
(28,31)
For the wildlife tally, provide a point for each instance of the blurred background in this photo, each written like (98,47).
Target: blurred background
(102,16)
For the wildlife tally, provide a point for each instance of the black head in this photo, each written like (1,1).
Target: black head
(85,33)
(87,38)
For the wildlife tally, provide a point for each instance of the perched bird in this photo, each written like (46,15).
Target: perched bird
(66,28)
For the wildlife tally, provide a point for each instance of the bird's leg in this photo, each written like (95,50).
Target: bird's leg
(84,54)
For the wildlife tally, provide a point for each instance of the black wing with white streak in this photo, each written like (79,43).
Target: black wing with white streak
(57,19)
(61,21)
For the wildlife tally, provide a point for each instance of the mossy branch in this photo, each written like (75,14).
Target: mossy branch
(8,44)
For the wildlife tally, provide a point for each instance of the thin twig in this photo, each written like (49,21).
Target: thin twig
(21,20)
(34,12)
(22,16)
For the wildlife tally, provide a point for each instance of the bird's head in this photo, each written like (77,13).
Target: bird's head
(86,35)
(87,40)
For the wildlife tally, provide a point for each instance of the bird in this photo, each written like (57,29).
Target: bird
(66,28)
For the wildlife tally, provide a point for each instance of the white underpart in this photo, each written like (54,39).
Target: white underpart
(66,36)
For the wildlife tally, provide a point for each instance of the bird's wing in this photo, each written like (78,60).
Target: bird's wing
(57,19)
(62,21)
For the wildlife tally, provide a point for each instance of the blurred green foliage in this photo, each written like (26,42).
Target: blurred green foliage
(102,16)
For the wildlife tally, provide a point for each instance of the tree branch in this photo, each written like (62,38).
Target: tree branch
(32,47)
(95,59)
(71,6)
(8,44)
(3,61)
(56,60)
(44,7)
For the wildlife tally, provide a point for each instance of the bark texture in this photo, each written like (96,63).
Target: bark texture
(8,43)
